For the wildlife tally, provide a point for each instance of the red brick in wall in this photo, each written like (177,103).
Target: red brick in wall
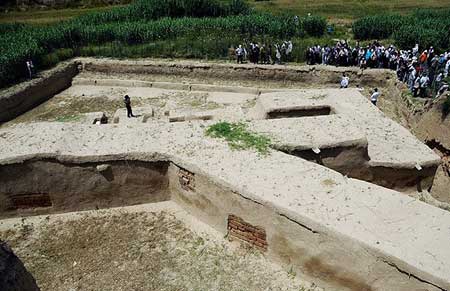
(186,180)
(244,231)
(30,201)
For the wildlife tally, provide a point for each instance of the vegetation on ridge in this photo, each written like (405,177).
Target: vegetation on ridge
(239,137)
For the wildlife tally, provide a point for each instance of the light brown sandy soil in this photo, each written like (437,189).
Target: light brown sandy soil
(65,231)
(69,105)
(140,249)
(286,84)
(433,126)
(72,103)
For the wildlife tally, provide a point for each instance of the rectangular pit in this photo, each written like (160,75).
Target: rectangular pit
(299,112)
(26,201)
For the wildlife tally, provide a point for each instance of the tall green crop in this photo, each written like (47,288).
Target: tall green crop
(425,26)
(142,22)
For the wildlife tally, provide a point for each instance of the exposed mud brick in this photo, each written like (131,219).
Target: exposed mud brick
(186,179)
(244,231)
(31,201)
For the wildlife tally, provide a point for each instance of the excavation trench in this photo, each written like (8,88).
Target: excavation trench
(299,112)
(50,186)
(354,162)
(336,261)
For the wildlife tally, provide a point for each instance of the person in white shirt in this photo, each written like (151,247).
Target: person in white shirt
(289,48)
(374,97)
(278,55)
(415,50)
(423,85)
(344,81)
(446,69)
(30,68)
(240,54)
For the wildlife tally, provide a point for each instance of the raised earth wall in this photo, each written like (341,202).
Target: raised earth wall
(25,96)
(337,262)
(303,74)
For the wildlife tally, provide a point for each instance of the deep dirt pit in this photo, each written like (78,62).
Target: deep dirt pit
(147,247)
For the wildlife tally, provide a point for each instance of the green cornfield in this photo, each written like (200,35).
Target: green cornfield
(424,27)
(144,21)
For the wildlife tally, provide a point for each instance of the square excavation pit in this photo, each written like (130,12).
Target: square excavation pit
(331,201)
(299,112)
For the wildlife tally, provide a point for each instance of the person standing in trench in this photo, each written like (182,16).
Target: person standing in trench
(127,102)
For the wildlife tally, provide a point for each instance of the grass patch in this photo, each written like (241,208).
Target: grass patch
(239,137)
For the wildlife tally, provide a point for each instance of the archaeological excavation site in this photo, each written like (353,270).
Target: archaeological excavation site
(346,196)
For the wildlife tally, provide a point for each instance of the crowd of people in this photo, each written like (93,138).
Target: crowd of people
(264,54)
(423,71)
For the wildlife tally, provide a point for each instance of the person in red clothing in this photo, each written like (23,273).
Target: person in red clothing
(423,57)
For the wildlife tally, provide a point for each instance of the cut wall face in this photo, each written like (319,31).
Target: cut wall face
(48,186)
(319,255)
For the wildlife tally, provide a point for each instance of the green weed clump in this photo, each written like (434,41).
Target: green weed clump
(239,137)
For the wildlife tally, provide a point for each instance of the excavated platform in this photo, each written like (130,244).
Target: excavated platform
(358,231)
(339,122)
(305,204)
(394,154)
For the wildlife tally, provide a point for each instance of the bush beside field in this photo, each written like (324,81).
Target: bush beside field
(425,27)
(144,22)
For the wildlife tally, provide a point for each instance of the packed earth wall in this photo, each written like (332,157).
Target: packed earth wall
(302,74)
(23,97)
(343,233)
(337,262)
(48,186)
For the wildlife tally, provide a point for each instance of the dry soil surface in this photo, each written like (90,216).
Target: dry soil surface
(144,247)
